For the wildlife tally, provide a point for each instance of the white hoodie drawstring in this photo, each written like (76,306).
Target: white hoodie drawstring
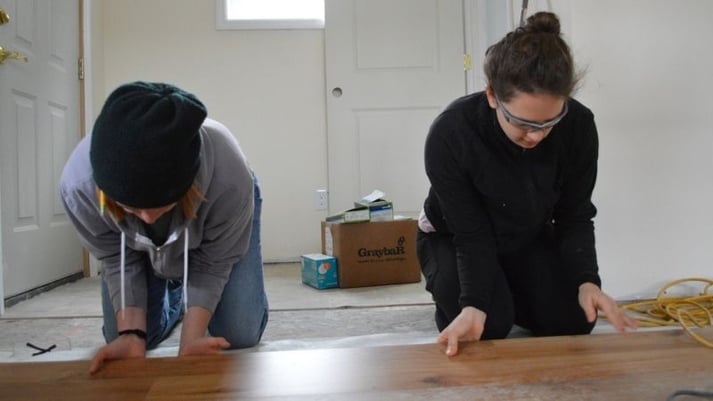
(123,260)
(185,271)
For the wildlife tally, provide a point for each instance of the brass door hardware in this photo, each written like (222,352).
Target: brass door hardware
(10,55)
(4,17)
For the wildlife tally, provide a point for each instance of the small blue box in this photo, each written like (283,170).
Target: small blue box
(320,271)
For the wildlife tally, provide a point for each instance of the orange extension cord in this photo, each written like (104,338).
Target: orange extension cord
(687,312)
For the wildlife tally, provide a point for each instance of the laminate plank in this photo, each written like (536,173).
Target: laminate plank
(644,365)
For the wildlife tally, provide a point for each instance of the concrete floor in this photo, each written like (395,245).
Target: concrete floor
(69,317)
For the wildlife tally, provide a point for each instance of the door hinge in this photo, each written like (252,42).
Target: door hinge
(467,62)
(80,68)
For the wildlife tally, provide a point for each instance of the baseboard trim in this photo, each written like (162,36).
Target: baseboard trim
(10,301)
(280,261)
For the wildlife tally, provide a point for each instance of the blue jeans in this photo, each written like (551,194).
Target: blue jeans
(241,314)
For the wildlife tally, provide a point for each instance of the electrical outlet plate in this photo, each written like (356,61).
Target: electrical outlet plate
(321,199)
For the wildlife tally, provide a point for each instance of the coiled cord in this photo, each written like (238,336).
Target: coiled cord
(687,312)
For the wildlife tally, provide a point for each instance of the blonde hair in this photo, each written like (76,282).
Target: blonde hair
(188,203)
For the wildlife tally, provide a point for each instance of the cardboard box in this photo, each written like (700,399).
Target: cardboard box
(374,253)
(320,271)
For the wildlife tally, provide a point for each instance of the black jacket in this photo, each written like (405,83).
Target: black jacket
(495,197)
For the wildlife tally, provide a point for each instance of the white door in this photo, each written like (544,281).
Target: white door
(391,67)
(39,127)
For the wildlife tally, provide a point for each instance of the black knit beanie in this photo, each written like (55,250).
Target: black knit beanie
(145,144)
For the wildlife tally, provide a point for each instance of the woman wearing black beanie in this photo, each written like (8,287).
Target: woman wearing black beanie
(166,200)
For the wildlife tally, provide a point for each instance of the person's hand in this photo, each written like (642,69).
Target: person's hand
(203,345)
(123,347)
(467,326)
(592,299)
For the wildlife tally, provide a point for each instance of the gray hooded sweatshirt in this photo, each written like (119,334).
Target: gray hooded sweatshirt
(216,239)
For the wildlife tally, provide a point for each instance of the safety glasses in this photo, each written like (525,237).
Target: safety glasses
(531,126)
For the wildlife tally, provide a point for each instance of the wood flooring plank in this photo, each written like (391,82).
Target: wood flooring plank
(510,362)
(644,365)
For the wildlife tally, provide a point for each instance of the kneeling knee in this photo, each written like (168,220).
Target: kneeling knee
(243,335)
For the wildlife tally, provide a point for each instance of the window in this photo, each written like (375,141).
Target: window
(269,14)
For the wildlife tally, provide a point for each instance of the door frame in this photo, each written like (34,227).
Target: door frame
(91,265)
(474,42)
(484,22)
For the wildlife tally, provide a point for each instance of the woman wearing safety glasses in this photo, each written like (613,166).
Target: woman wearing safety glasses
(506,234)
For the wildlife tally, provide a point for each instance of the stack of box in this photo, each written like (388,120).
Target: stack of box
(369,208)
(371,247)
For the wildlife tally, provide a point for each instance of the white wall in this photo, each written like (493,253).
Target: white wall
(266,86)
(648,64)
(649,83)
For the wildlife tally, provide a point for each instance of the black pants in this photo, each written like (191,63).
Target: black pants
(531,289)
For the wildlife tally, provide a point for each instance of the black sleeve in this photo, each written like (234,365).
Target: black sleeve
(449,168)
(574,211)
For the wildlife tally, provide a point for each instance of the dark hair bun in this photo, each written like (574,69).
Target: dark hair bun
(543,22)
